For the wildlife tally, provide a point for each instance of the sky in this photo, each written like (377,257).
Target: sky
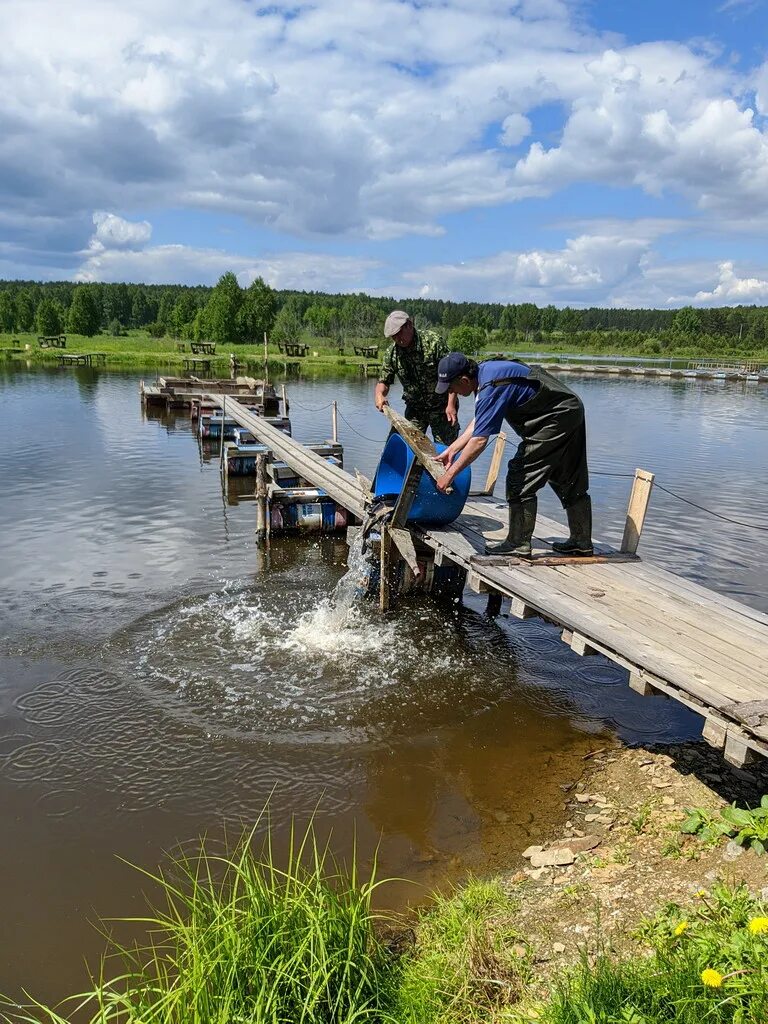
(575,152)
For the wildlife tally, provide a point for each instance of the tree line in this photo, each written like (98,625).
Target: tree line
(230,314)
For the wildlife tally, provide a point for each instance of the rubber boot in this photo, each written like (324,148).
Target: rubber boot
(522,520)
(579,544)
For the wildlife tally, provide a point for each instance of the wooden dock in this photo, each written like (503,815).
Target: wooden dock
(748,375)
(674,637)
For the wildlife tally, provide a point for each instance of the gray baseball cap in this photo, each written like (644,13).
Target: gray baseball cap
(394,322)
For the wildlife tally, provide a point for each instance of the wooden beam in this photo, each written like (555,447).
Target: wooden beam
(493,468)
(404,544)
(262,507)
(407,494)
(580,646)
(636,510)
(423,449)
(737,750)
(385,569)
(341,486)
(520,610)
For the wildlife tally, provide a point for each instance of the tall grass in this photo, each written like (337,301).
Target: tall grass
(238,939)
(707,964)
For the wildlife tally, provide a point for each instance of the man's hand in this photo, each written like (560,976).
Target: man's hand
(444,483)
(446,457)
(381,401)
(450,415)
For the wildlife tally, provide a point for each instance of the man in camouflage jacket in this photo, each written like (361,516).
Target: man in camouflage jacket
(413,357)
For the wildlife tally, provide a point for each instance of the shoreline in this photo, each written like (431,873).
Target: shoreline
(137,351)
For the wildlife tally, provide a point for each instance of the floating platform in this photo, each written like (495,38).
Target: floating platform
(695,373)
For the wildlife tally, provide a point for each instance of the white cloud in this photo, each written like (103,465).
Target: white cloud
(589,266)
(182,264)
(734,290)
(113,232)
(514,128)
(662,118)
(372,120)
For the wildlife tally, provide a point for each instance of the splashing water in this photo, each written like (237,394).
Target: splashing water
(296,664)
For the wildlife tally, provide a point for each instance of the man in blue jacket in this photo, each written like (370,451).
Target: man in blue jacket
(549,418)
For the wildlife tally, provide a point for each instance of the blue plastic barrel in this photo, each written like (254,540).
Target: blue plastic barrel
(429,506)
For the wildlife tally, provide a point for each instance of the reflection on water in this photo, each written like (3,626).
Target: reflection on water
(161,677)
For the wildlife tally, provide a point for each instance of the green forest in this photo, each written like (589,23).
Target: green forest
(229,314)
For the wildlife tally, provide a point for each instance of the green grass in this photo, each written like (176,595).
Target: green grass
(137,350)
(238,939)
(470,964)
(706,965)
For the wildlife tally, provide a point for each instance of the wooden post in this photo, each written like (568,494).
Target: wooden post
(384,569)
(286,406)
(223,420)
(335,422)
(266,359)
(262,523)
(495,466)
(636,510)
(398,521)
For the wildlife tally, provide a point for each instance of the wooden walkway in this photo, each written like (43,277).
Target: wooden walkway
(674,637)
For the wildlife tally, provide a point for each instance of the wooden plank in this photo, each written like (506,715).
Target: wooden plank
(659,578)
(706,662)
(423,449)
(617,637)
(549,560)
(340,485)
(495,465)
(407,494)
(702,632)
(404,544)
(636,511)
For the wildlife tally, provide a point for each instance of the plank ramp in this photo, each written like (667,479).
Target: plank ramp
(675,637)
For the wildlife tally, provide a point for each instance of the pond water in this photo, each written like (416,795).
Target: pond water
(161,679)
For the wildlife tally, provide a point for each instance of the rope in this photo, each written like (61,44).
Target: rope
(309,408)
(701,508)
(371,440)
(594,472)
(717,515)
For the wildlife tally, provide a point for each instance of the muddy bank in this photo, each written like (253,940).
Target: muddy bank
(620,854)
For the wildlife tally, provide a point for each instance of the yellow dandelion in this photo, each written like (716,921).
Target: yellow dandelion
(711,978)
(700,894)
(758,925)
(683,926)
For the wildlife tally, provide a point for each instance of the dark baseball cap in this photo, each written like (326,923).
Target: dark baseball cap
(454,365)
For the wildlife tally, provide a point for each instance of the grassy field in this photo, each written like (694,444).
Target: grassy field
(238,938)
(138,351)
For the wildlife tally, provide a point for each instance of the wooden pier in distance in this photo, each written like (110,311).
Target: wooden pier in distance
(674,637)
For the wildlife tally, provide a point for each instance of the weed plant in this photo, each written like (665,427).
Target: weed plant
(239,940)
(748,827)
(470,964)
(706,966)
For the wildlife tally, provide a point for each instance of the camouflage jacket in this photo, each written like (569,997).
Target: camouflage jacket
(416,368)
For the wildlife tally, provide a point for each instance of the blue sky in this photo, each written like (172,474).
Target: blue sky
(578,153)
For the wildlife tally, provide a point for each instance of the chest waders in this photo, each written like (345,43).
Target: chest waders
(552,450)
